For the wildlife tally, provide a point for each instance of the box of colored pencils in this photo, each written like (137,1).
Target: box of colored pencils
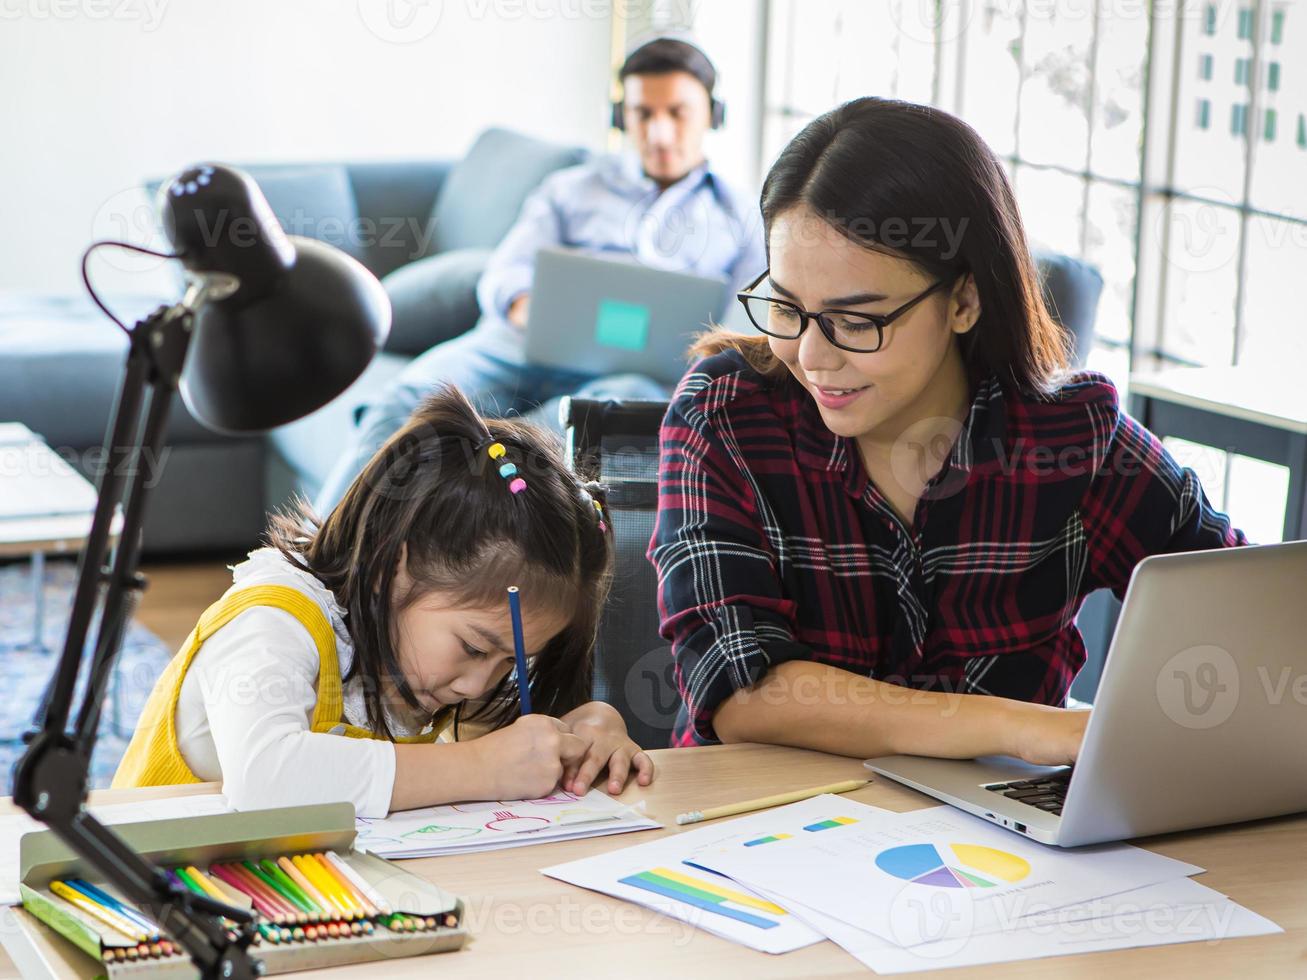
(318,902)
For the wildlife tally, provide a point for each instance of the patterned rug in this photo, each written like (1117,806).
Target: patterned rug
(24,673)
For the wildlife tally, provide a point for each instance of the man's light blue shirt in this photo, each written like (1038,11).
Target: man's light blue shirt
(698,225)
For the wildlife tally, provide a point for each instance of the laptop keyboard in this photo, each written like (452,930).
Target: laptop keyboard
(1048,793)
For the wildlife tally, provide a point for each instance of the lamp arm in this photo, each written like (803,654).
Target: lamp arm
(50,780)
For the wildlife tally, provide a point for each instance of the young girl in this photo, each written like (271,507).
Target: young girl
(339,655)
(902,494)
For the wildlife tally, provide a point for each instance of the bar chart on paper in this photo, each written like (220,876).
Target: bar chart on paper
(708,892)
(829,824)
(954,866)
(671,874)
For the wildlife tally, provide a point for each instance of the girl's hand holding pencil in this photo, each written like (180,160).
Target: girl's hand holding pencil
(527,758)
(597,725)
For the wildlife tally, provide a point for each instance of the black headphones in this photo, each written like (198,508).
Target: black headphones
(716,118)
(661,56)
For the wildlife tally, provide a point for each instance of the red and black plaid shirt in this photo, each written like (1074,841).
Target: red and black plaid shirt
(772,543)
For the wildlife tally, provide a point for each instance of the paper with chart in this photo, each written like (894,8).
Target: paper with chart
(464,827)
(936,874)
(1179,911)
(664,874)
(14,825)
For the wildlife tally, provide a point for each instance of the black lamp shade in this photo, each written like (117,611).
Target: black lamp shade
(256,365)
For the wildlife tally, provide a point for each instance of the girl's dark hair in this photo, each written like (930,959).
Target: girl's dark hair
(888,175)
(433,487)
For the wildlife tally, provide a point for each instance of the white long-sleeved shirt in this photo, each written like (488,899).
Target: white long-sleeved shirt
(247,703)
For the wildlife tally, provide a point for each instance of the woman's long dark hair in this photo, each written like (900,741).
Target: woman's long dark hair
(888,175)
(433,487)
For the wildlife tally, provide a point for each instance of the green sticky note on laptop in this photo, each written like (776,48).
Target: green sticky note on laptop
(623,325)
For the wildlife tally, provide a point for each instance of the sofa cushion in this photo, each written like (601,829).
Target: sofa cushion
(433,299)
(315,201)
(484,191)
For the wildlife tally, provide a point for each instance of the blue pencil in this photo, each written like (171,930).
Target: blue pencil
(519,650)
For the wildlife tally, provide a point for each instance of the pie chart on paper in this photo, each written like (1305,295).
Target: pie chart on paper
(954,866)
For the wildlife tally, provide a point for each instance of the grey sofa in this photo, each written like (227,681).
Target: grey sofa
(425,228)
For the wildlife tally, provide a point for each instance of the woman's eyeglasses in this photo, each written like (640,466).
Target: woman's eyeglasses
(858,333)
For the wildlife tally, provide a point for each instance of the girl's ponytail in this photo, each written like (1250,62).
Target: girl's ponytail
(472,506)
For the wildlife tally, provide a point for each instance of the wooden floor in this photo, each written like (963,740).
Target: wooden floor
(178,592)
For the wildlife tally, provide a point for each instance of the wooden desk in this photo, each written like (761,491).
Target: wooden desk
(526,925)
(1241,410)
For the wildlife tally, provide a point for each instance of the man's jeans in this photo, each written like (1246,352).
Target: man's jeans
(486,363)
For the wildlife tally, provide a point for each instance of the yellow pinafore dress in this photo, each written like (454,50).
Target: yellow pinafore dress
(153,757)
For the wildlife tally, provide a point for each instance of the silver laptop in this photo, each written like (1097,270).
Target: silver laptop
(606,315)
(1200,718)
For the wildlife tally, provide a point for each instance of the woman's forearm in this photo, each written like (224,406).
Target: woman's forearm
(816,706)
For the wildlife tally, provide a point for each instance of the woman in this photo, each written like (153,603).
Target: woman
(879,516)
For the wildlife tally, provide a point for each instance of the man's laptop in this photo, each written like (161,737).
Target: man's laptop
(615,316)
(1200,718)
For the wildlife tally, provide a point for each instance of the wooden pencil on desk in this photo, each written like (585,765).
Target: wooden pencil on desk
(763,802)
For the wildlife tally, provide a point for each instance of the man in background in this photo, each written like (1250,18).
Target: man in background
(660,202)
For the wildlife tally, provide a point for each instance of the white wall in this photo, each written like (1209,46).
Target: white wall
(97,94)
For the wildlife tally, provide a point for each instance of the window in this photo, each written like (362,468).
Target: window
(1059,88)
(1199,230)
(1239,120)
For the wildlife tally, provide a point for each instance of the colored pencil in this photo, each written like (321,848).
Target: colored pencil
(343,892)
(291,915)
(104,898)
(218,888)
(301,913)
(335,903)
(97,911)
(762,803)
(231,876)
(348,886)
(372,895)
(519,649)
(206,885)
(265,901)
(327,885)
(184,876)
(288,884)
(309,889)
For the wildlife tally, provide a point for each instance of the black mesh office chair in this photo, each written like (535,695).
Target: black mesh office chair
(616,442)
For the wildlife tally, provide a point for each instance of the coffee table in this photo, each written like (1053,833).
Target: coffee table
(47,509)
